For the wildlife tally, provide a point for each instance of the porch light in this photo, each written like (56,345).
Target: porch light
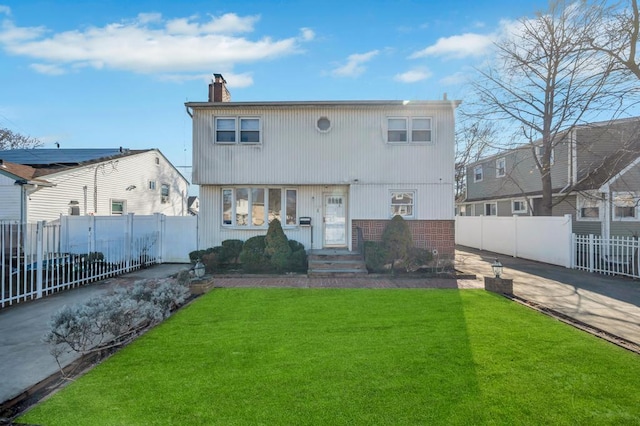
(198,269)
(497,268)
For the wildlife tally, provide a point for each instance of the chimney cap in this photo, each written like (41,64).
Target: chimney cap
(219,77)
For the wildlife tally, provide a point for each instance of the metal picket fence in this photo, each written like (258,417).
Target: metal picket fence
(36,262)
(611,256)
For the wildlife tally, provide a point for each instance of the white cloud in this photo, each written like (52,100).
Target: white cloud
(413,76)
(233,80)
(455,79)
(5,9)
(307,34)
(150,44)
(458,46)
(354,66)
(48,69)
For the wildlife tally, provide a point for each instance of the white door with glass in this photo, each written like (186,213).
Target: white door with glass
(335,223)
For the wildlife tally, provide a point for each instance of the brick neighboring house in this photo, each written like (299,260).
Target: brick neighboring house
(341,166)
(595,177)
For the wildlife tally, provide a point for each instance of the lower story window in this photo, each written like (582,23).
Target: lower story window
(258,206)
(588,208)
(625,205)
(518,206)
(118,207)
(490,209)
(402,203)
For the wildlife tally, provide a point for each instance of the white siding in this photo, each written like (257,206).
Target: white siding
(112,180)
(11,199)
(293,151)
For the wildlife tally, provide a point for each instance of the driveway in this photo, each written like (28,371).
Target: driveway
(609,303)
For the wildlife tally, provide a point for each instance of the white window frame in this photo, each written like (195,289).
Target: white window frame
(250,225)
(237,130)
(501,167)
(124,207)
(406,210)
(475,173)
(587,202)
(495,205)
(539,155)
(615,203)
(410,126)
(524,205)
(152,185)
(164,195)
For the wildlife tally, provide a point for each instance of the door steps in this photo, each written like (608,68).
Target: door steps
(336,263)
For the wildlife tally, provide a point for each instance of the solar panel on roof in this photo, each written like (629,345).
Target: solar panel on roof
(56,156)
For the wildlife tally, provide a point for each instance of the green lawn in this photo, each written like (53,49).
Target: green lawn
(355,356)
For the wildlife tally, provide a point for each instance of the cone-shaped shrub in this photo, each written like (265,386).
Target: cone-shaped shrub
(277,246)
(397,240)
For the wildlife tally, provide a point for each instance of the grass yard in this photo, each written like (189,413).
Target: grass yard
(355,356)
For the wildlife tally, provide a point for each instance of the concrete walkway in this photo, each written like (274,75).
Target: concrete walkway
(24,359)
(609,303)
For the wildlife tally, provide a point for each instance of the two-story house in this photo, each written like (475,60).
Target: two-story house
(595,176)
(340,166)
(43,184)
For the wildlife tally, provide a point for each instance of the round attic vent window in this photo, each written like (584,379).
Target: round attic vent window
(324,125)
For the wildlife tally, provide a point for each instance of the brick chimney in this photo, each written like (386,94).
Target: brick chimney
(218,90)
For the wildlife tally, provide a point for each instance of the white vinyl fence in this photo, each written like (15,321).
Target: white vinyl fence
(42,258)
(544,239)
(611,256)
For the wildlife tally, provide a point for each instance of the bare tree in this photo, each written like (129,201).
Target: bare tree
(546,80)
(12,140)
(473,140)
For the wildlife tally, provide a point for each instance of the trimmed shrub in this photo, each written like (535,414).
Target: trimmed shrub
(298,259)
(252,256)
(374,256)
(417,258)
(277,248)
(397,241)
(230,252)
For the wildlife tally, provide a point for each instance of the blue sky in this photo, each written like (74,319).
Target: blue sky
(111,73)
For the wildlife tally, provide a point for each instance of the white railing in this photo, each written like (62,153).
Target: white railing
(36,262)
(611,256)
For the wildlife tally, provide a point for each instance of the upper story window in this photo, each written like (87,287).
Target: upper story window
(152,185)
(402,203)
(588,208)
(245,130)
(540,153)
(501,167)
(477,173)
(625,206)
(409,130)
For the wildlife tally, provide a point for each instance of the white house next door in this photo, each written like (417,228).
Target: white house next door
(335,223)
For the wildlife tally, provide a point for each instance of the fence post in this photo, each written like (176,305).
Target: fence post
(39,257)
(481,232)
(592,252)
(160,229)
(128,240)
(515,235)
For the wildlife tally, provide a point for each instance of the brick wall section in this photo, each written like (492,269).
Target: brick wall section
(427,234)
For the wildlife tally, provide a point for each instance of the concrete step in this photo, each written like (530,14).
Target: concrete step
(336,263)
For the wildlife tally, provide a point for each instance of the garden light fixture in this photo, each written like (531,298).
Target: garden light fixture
(497,268)
(198,269)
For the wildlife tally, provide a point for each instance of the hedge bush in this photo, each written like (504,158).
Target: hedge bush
(277,248)
(252,256)
(397,241)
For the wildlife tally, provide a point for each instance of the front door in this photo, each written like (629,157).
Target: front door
(335,223)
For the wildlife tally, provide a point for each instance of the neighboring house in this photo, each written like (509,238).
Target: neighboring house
(42,184)
(193,204)
(340,166)
(595,176)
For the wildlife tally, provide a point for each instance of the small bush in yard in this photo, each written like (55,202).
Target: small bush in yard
(277,248)
(397,241)
(417,258)
(252,256)
(298,259)
(115,319)
(375,256)
(230,252)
